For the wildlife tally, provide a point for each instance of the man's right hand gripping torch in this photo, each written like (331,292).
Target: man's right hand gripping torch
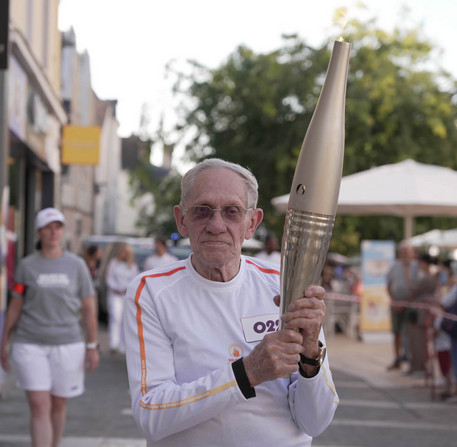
(315,187)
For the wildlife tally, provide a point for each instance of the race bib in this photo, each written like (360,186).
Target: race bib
(255,328)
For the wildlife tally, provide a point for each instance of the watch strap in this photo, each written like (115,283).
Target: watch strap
(316,361)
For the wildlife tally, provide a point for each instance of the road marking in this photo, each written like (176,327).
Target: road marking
(393,424)
(79,441)
(390,404)
(333,445)
(350,384)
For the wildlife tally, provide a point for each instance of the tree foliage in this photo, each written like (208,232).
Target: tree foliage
(146,179)
(254,109)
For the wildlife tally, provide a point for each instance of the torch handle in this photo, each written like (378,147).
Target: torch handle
(305,244)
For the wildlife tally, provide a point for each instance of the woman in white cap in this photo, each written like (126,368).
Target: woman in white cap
(52,289)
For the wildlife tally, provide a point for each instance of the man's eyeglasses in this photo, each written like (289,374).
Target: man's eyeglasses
(230,213)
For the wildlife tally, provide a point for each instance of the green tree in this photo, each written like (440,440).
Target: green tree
(254,109)
(160,220)
(146,179)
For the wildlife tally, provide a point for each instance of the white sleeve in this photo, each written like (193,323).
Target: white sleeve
(313,401)
(161,406)
(111,276)
(450,298)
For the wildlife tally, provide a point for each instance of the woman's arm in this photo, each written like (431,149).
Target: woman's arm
(89,314)
(12,317)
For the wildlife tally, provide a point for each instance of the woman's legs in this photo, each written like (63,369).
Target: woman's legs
(115,309)
(47,422)
(58,418)
(40,420)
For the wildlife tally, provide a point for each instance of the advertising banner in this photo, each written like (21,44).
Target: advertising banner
(377,258)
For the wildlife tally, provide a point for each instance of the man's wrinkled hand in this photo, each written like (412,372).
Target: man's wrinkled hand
(277,355)
(306,315)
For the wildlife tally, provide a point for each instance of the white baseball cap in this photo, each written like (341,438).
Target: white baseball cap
(46,216)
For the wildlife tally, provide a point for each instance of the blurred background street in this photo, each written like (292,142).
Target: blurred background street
(178,84)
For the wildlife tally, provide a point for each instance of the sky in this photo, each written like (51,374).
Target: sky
(130,42)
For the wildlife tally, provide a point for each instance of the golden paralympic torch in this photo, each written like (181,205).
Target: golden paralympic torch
(314,193)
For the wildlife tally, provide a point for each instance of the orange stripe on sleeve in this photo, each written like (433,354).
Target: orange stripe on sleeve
(191,399)
(139,323)
(276,272)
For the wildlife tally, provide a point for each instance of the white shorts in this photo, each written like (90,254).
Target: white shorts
(55,368)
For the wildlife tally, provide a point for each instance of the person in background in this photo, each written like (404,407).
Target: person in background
(443,342)
(400,280)
(161,255)
(206,360)
(270,252)
(92,256)
(121,270)
(449,305)
(52,289)
(443,353)
(424,292)
(328,274)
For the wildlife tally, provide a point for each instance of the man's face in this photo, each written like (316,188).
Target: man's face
(216,242)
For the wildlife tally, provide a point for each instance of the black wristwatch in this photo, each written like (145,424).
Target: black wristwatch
(316,361)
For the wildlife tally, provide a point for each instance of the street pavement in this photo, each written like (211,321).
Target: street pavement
(381,408)
(377,407)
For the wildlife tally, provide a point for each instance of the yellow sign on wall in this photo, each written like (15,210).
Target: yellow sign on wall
(81,145)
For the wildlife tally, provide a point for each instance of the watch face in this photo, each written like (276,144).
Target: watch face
(322,355)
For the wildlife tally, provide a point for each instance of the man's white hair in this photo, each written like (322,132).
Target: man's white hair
(250,182)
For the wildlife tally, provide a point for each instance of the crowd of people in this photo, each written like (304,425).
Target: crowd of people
(421,288)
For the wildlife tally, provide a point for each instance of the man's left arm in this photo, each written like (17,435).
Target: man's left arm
(313,400)
(312,397)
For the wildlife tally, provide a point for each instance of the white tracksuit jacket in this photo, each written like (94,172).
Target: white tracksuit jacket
(182,333)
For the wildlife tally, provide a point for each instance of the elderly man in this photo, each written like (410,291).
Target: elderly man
(207,364)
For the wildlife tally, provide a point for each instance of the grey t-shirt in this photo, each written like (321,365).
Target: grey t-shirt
(52,297)
(397,282)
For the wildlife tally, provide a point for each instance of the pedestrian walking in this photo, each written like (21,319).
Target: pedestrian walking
(93,257)
(52,290)
(121,270)
(449,304)
(423,292)
(401,279)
